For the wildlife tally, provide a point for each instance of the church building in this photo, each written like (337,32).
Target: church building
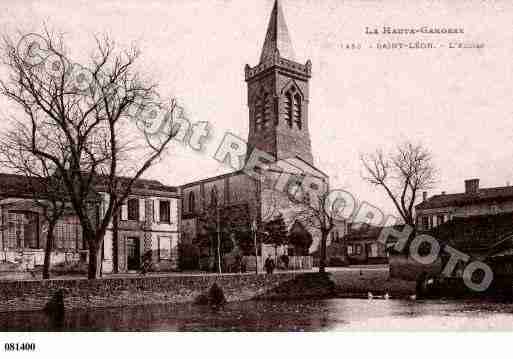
(235,208)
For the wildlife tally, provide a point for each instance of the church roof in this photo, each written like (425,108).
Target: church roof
(277,37)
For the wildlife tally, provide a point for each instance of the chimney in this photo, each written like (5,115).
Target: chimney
(443,193)
(424,195)
(472,186)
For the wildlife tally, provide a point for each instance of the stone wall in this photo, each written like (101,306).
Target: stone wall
(81,293)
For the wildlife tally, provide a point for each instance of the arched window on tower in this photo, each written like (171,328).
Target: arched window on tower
(293,107)
(258,114)
(267,110)
(192,202)
(288,108)
(297,110)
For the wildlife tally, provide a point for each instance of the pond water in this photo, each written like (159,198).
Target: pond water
(305,315)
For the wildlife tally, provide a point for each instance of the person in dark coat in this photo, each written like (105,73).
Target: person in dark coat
(269,265)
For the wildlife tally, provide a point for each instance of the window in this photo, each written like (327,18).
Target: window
(373,250)
(293,108)
(267,110)
(439,219)
(192,202)
(349,249)
(67,234)
(168,247)
(23,229)
(297,110)
(288,108)
(12,229)
(425,223)
(165,212)
(164,247)
(358,249)
(133,209)
(259,114)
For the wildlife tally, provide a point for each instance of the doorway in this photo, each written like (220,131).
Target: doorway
(133,260)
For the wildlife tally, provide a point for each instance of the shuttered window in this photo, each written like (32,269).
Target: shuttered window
(288,108)
(297,111)
(133,209)
(165,211)
(124,212)
(258,114)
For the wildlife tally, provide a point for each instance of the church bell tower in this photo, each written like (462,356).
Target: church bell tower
(278,96)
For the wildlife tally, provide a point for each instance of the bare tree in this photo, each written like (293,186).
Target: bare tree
(403,174)
(211,221)
(276,231)
(100,124)
(315,210)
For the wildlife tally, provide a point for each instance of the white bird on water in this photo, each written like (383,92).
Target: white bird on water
(371,296)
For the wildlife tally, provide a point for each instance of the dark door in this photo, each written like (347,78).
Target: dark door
(368,251)
(133,254)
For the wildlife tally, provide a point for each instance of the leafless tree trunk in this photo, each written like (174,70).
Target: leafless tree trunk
(402,174)
(316,212)
(100,124)
(44,189)
(48,250)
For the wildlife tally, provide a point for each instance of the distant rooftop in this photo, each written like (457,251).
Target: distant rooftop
(494,194)
(472,195)
(13,185)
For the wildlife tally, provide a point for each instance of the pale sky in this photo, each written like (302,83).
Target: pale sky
(457,102)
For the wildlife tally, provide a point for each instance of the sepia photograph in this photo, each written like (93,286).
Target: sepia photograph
(271,166)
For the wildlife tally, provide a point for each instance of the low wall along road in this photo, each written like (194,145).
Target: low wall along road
(81,293)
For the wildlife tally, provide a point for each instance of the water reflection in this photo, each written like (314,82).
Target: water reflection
(320,315)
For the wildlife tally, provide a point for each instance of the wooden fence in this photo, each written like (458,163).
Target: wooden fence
(295,263)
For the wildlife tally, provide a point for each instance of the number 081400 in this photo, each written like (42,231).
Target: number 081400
(14,347)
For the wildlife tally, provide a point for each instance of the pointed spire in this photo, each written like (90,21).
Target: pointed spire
(277,37)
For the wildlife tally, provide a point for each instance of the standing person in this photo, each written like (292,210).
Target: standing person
(269,265)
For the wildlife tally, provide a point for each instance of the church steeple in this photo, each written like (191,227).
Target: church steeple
(278,96)
(277,37)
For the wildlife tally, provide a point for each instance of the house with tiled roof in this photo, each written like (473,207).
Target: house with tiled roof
(475,201)
(148,221)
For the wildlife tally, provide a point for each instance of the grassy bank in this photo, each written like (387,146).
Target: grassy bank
(342,283)
(357,282)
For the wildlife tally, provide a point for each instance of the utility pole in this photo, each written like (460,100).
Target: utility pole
(218,226)
(254,227)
